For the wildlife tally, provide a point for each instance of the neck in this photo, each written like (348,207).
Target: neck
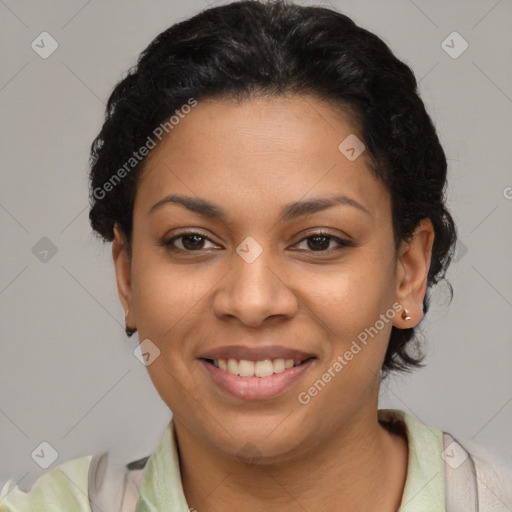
(361,467)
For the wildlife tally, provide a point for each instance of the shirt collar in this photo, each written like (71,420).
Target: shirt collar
(424,489)
(161,487)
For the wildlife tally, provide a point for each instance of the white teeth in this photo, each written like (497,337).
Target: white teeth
(233,366)
(246,368)
(279,365)
(264,368)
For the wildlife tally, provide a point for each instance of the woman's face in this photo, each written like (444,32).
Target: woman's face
(251,285)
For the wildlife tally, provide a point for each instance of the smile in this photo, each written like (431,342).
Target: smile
(255,380)
(264,368)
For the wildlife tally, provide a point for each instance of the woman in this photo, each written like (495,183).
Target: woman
(273,189)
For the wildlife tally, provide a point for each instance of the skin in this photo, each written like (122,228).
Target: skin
(250,159)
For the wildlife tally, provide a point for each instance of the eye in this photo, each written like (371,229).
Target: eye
(190,241)
(194,241)
(321,240)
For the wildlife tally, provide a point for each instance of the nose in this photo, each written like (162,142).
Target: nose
(254,291)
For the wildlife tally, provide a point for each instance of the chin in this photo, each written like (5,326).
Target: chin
(264,441)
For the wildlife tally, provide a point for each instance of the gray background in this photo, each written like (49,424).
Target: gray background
(68,375)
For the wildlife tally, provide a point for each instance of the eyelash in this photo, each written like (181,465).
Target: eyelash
(342,243)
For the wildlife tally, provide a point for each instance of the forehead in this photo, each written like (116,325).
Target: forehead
(265,150)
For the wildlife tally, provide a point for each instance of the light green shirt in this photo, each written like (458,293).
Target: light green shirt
(64,488)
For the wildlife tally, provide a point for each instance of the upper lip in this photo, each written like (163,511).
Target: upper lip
(255,353)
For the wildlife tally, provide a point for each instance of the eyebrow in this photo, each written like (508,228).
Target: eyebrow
(289,211)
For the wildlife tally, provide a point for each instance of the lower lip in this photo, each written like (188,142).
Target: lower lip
(256,388)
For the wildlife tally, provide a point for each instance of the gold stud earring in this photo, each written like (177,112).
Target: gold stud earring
(405,315)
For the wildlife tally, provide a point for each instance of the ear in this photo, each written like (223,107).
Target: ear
(122,265)
(413,265)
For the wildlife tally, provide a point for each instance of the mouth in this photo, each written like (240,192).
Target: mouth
(262,379)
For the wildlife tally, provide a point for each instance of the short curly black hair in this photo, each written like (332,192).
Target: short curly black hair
(249,48)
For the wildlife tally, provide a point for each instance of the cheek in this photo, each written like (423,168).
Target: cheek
(353,307)
(352,296)
(347,308)
(168,304)
(172,309)
(165,295)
